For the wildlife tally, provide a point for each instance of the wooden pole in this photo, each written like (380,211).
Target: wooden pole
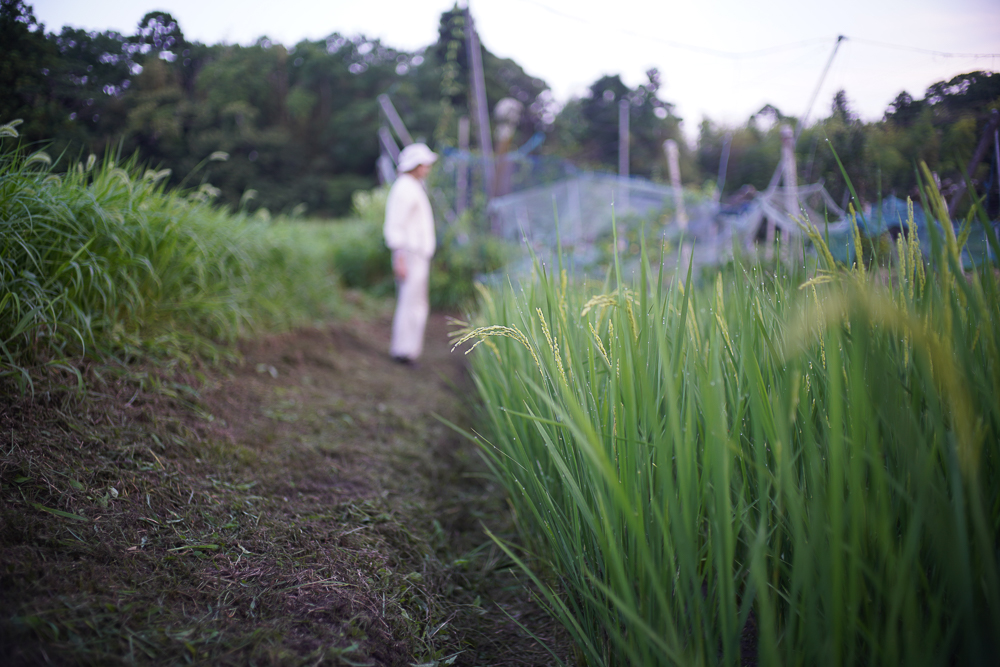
(479,103)
(462,182)
(724,162)
(770,233)
(996,155)
(674,167)
(623,138)
(791,181)
(389,144)
(623,107)
(394,119)
(790,176)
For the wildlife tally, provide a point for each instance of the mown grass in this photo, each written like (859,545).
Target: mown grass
(282,521)
(780,468)
(101,260)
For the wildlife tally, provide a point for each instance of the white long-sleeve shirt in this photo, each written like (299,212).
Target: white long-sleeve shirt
(409,221)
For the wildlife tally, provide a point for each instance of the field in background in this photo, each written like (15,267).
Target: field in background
(772,468)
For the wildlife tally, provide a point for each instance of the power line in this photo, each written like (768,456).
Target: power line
(917,49)
(757,53)
(735,55)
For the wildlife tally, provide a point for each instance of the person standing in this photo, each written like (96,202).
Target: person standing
(409,234)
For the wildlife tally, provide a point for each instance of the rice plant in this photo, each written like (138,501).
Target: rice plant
(102,260)
(780,469)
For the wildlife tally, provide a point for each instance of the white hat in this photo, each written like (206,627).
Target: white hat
(415,155)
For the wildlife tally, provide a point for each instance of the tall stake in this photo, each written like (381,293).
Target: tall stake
(791,182)
(479,102)
(623,106)
(394,119)
(724,162)
(462,181)
(674,167)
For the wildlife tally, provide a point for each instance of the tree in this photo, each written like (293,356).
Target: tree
(28,59)
(841,108)
(586,130)
(903,111)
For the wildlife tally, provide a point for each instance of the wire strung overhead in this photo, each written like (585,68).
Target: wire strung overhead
(756,53)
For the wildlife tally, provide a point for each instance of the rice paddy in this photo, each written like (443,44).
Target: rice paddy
(772,467)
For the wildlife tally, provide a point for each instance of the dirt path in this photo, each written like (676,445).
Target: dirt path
(304,507)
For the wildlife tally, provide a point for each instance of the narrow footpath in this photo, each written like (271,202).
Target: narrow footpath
(302,506)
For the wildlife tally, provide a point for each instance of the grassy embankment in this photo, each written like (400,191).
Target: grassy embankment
(101,261)
(788,469)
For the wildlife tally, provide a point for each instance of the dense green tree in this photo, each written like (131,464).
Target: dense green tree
(300,123)
(28,58)
(904,110)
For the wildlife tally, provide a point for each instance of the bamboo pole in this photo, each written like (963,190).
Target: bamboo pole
(394,120)
(462,180)
(673,166)
(623,158)
(481,109)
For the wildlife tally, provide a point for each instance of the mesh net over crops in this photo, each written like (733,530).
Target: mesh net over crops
(549,203)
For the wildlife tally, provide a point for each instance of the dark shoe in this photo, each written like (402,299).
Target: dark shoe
(406,361)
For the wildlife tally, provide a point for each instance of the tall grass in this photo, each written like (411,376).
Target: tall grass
(792,470)
(102,259)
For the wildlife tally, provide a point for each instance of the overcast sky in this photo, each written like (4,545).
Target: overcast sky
(721,59)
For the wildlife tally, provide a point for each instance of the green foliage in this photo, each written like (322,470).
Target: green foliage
(299,121)
(461,258)
(805,467)
(28,57)
(103,260)
(361,258)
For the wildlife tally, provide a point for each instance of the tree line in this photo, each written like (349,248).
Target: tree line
(299,123)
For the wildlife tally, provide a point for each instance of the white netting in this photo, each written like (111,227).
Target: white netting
(551,203)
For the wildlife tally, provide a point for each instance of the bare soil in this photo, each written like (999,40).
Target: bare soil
(302,506)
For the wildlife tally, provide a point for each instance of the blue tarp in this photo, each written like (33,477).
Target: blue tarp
(892,217)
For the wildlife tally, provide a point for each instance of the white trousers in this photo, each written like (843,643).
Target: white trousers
(412,307)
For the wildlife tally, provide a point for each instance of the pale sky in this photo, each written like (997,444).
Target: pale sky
(721,59)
